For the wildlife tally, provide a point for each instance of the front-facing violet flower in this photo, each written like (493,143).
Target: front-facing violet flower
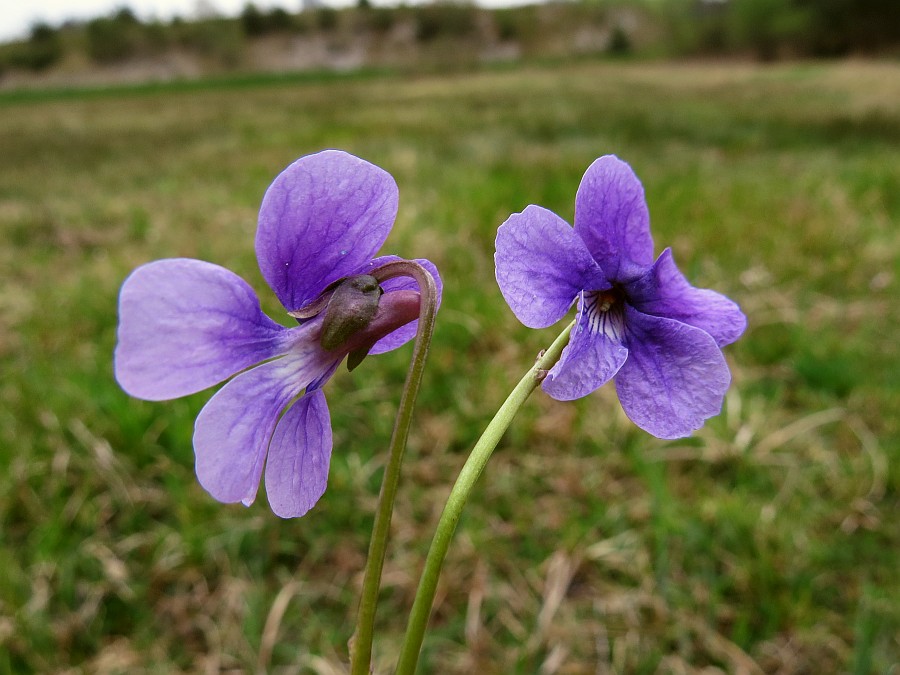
(639,321)
(186,325)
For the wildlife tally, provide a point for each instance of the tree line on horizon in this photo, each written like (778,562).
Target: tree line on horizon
(761,29)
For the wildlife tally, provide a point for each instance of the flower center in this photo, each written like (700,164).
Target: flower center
(605,312)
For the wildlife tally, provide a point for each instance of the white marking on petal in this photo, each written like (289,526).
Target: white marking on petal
(605,314)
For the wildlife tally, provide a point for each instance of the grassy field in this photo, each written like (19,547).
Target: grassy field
(768,542)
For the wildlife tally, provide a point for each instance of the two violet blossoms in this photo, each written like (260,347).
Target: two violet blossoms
(186,325)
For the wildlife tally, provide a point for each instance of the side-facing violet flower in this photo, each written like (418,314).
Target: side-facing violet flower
(186,325)
(639,321)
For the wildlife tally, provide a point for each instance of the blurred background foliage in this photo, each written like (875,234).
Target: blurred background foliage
(447,33)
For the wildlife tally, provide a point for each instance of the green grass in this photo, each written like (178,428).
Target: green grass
(768,541)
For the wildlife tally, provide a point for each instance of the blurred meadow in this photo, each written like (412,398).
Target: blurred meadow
(766,543)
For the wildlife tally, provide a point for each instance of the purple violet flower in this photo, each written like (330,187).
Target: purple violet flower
(639,322)
(185,325)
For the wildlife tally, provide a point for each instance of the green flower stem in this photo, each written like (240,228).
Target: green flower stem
(361,642)
(481,453)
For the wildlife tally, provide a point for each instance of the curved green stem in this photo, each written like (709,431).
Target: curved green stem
(361,642)
(481,453)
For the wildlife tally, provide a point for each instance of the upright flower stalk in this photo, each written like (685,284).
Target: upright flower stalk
(459,495)
(361,643)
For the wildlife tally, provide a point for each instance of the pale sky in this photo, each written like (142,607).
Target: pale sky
(17,16)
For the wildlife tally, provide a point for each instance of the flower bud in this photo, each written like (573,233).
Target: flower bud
(350,310)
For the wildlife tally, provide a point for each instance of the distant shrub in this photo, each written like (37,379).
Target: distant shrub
(125,17)
(255,22)
(445,19)
(109,40)
(695,27)
(619,42)
(42,50)
(326,18)
(156,37)
(220,40)
(775,28)
(43,32)
(279,19)
(378,19)
(507,26)
(837,27)
(521,24)
(764,26)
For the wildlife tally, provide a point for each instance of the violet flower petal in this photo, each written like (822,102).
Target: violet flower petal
(232,432)
(406,332)
(323,217)
(663,291)
(542,265)
(590,359)
(675,376)
(611,217)
(185,325)
(299,457)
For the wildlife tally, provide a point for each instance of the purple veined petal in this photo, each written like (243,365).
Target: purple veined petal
(595,353)
(232,432)
(185,325)
(663,291)
(299,457)
(675,376)
(322,379)
(542,265)
(405,333)
(323,216)
(612,218)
